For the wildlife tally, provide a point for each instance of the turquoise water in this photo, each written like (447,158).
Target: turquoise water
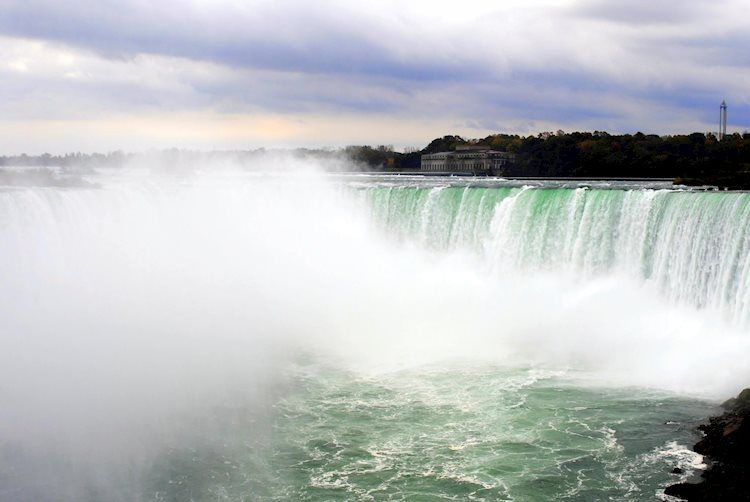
(694,246)
(467,432)
(364,338)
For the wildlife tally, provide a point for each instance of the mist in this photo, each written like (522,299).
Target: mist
(152,296)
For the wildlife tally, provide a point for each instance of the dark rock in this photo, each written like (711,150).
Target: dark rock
(743,401)
(676,470)
(727,444)
(729,404)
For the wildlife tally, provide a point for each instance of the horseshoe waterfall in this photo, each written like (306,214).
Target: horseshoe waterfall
(225,334)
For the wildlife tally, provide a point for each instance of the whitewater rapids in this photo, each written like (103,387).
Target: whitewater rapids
(236,335)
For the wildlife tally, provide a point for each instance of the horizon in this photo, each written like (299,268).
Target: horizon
(336,149)
(222,76)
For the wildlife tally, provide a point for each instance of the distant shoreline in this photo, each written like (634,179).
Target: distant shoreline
(697,159)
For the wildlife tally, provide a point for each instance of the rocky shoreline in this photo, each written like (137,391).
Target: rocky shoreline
(726,446)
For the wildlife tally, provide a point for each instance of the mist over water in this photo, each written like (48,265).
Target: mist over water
(153,311)
(594,276)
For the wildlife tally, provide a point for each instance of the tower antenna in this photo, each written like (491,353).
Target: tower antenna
(722,120)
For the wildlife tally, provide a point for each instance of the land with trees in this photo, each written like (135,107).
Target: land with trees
(692,159)
(697,158)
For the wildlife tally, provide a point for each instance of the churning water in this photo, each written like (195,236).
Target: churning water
(231,335)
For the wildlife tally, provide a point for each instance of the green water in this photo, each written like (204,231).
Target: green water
(693,246)
(463,432)
(482,432)
(190,287)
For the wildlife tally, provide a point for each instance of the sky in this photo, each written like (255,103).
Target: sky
(81,75)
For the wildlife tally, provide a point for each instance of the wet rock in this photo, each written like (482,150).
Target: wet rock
(729,404)
(726,445)
(677,470)
(743,401)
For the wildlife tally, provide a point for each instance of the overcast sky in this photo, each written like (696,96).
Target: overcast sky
(135,74)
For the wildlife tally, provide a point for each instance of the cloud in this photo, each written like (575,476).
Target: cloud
(658,67)
(647,12)
(286,36)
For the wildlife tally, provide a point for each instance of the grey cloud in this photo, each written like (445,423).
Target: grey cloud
(730,48)
(192,87)
(292,37)
(645,11)
(292,57)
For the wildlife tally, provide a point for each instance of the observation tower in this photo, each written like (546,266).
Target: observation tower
(722,120)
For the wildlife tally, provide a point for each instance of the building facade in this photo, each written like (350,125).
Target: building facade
(471,160)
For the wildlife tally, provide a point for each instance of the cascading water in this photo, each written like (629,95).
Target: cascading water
(695,246)
(225,335)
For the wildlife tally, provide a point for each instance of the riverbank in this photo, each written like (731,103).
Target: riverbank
(726,445)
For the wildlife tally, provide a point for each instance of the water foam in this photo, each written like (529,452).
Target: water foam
(694,247)
(155,297)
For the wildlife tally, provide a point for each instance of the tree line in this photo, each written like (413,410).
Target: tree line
(690,158)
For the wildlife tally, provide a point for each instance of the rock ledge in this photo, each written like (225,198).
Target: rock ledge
(726,445)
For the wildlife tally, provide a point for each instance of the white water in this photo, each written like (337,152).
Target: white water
(694,247)
(127,305)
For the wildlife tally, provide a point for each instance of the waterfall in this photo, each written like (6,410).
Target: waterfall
(135,310)
(693,246)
